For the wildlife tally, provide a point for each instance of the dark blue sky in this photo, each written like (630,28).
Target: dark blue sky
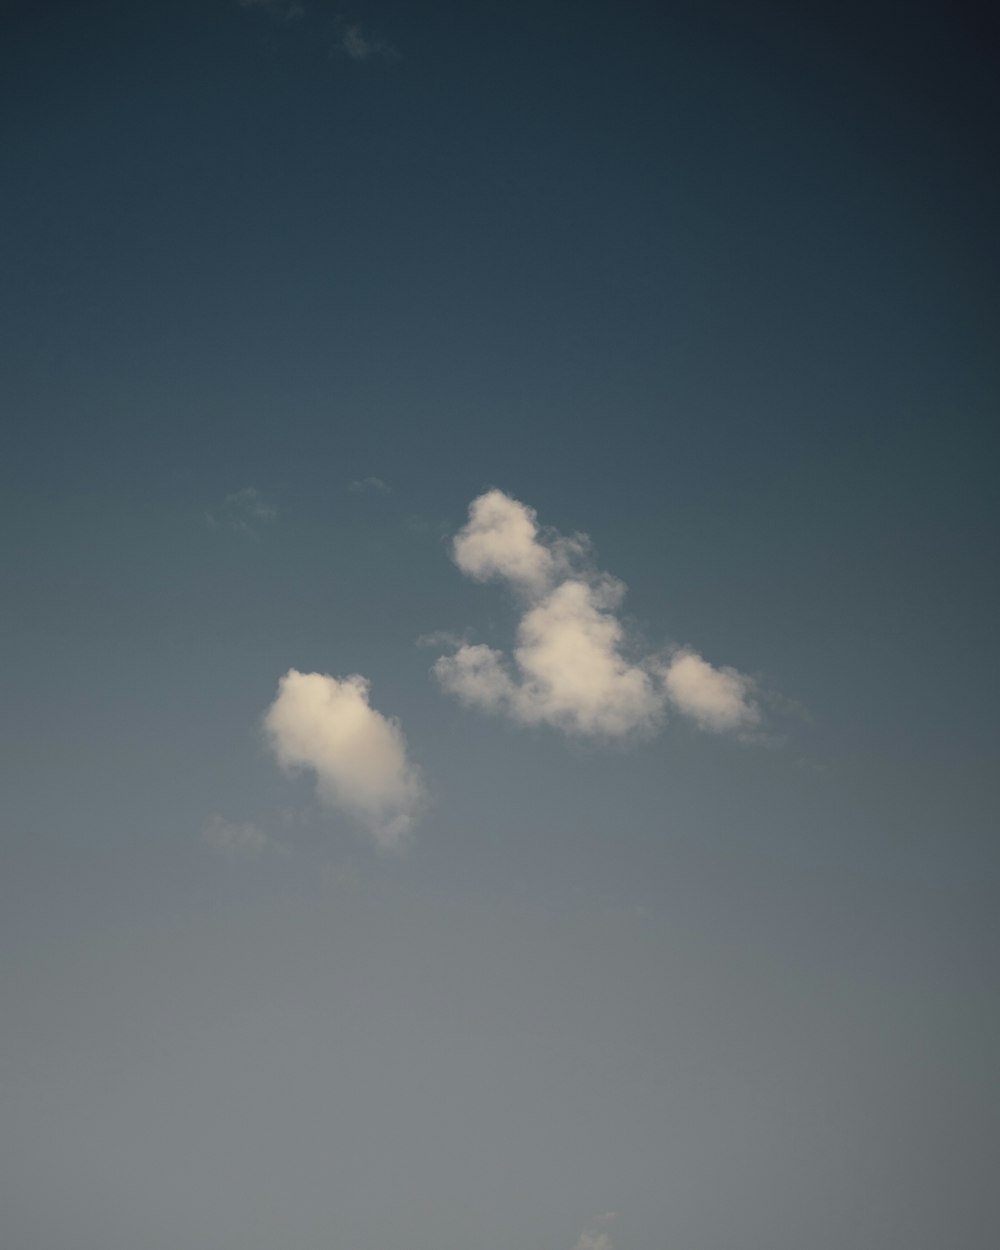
(713,283)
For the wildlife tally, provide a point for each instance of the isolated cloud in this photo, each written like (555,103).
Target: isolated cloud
(573,665)
(326,724)
(244,510)
(361,47)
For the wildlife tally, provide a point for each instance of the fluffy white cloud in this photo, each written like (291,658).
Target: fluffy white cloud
(501,540)
(477,675)
(574,672)
(327,724)
(571,672)
(573,665)
(717,698)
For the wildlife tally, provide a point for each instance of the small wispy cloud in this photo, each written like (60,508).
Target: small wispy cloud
(441,638)
(327,725)
(372,485)
(243,510)
(236,840)
(596,1238)
(285,10)
(575,665)
(593,1241)
(361,47)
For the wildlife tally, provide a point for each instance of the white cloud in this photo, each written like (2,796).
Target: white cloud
(573,665)
(501,540)
(327,724)
(244,510)
(717,698)
(238,841)
(574,672)
(361,47)
(478,676)
(374,484)
(571,672)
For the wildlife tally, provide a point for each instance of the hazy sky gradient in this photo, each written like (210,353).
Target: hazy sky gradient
(286,288)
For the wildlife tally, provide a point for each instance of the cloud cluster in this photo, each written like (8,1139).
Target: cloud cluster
(574,666)
(327,725)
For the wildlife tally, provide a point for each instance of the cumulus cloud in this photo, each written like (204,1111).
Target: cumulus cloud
(570,668)
(327,725)
(717,698)
(501,539)
(573,665)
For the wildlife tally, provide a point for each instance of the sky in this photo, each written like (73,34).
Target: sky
(499,575)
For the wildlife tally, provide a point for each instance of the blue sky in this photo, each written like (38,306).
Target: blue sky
(597,411)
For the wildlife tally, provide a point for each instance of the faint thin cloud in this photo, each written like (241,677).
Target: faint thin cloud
(361,47)
(424,525)
(593,1240)
(237,840)
(373,485)
(441,638)
(285,10)
(244,511)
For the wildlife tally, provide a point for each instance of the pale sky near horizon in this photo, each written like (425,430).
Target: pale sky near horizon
(499,627)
